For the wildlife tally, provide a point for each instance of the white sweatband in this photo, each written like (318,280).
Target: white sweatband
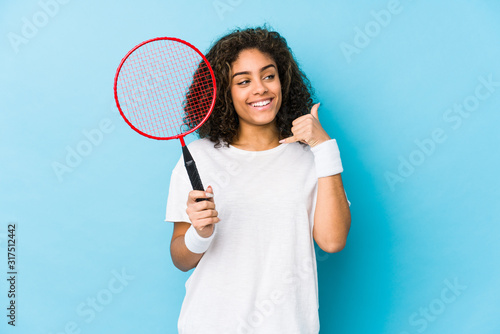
(327,158)
(196,243)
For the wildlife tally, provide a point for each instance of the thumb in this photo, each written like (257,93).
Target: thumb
(210,190)
(314,110)
(288,140)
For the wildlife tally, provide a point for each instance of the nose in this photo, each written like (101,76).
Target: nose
(259,87)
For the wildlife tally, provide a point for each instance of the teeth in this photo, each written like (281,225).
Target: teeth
(261,104)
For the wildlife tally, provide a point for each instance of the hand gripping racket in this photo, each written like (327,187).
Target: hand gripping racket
(165,89)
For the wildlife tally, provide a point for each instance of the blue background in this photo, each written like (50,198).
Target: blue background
(435,225)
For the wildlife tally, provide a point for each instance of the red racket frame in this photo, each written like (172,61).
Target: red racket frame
(179,136)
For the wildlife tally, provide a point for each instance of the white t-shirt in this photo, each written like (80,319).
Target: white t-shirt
(259,274)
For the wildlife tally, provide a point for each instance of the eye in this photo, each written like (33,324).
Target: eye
(271,76)
(244,82)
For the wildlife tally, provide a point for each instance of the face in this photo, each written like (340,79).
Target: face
(255,88)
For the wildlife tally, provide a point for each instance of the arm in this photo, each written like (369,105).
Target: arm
(332,217)
(203,217)
(182,257)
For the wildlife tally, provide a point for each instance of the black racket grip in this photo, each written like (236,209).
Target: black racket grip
(192,171)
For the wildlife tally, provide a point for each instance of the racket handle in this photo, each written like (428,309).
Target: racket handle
(192,171)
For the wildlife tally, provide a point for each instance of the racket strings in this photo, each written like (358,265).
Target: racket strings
(164,88)
(199,96)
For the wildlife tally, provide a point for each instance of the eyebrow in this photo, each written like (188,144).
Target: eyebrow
(246,72)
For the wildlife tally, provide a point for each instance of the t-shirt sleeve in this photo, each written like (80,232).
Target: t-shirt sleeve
(177,196)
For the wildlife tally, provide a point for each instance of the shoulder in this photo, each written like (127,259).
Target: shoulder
(198,145)
(201,144)
(300,149)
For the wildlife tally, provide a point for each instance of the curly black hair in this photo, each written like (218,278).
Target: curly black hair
(223,123)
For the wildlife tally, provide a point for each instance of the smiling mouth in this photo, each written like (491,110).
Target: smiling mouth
(261,103)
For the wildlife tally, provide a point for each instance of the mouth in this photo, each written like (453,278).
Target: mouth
(262,104)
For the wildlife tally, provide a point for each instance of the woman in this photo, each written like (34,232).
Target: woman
(274,187)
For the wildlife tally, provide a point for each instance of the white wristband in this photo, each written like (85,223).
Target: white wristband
(196,243)
(327,158)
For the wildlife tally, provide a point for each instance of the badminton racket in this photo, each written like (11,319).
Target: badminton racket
(165,89)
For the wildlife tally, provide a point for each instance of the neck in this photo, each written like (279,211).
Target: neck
(259,138)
